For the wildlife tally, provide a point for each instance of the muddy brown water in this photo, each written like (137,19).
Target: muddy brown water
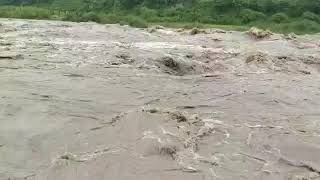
(83,101)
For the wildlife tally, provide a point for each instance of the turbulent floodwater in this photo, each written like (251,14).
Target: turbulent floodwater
(83,101)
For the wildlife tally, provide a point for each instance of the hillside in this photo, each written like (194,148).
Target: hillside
(300,16)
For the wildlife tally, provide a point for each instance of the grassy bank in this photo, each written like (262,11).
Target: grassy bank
(278,23)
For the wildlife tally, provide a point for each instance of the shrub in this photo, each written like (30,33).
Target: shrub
(170,12)
(71,16)
(90,16)
(26,12)
(305,26)
(279,17)
(135,21)
(248,15)
(34,13)
(299,26)
(148,14)
(108,18)
(227,19)
(311,16)
(207,20)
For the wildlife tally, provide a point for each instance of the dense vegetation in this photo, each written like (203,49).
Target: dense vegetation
(300,16)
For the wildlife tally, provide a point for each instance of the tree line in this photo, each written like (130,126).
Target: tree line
(279,14)
(292,7)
